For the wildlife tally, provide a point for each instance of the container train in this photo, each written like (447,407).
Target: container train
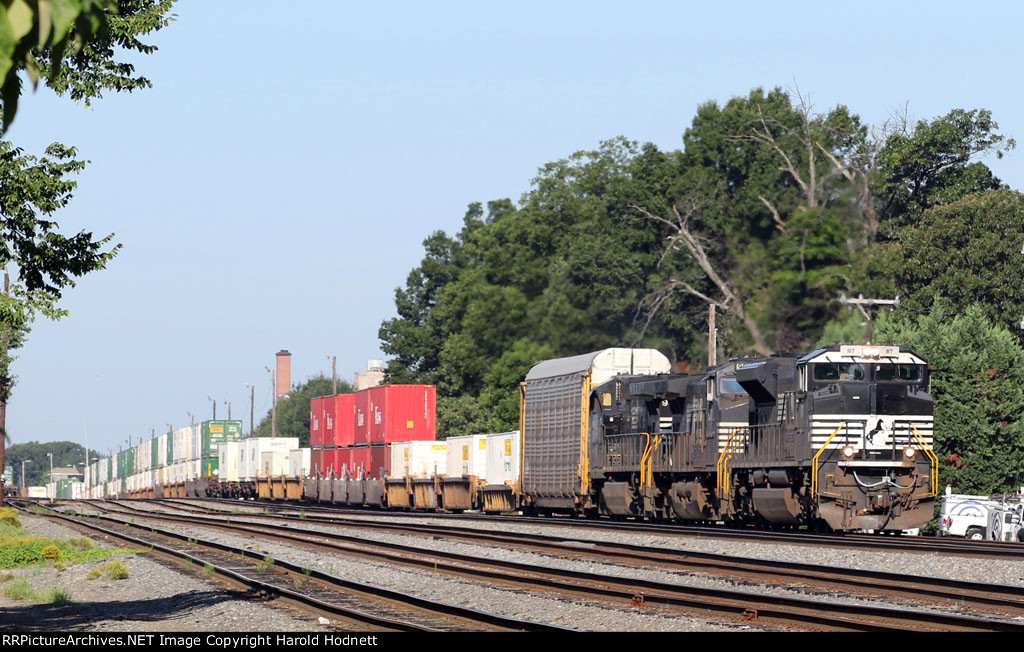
(839,438)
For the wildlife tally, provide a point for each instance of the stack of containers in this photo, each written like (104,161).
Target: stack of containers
(330,425)
(400,413)
(344,435)
(210,436)
(316,435)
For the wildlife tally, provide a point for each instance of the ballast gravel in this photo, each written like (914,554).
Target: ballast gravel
(155,597)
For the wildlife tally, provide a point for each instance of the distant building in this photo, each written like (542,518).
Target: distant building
(373,376)
(65,472)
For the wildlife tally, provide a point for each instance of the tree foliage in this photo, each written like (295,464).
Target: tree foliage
(770,212)
(937,164)
(37,466)
(967,252)
(979,396)
(293,409)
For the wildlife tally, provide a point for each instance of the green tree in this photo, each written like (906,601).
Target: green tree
(34,36)
(936,164)
(293,409)
(979,397)
(37,467)
(964,253)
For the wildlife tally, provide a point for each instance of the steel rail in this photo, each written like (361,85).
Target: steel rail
(472,616)
(780,608)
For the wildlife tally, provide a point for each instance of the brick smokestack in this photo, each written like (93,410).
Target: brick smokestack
(284,373)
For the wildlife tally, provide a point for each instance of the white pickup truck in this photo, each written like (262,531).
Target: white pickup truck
(964,515)
(968,516)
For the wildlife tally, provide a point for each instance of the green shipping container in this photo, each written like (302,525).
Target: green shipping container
(215,433)
(8,474)
(209,467)
(170,447)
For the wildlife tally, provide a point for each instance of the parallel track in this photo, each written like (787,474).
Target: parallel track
(924,545)
(363,605)
(773,609)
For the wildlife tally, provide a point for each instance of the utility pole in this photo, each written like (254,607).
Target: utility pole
(712,337)
(210,398)
(229,408)
(273,408)
(252,409)
(334,374)
(860,302)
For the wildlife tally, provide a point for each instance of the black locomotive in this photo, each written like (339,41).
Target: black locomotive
(838,438)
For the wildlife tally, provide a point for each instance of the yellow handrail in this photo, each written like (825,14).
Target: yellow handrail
(814,460)
(932,457)
(722,482)
(646,466)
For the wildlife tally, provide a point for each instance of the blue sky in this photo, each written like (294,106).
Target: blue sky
(275,186)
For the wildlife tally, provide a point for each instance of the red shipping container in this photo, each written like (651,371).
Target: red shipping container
(316,418)
(402,413)
(361,417)
(359,458)
(344,425)
(316,462)
(380,461)
(330,421)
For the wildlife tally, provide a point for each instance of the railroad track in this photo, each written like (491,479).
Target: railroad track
(922,545)
(359,604)
(756,608)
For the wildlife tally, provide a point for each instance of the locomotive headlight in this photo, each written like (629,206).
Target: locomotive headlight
(909,453)
(848,452)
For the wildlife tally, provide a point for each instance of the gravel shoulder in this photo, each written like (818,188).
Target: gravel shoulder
(154,598)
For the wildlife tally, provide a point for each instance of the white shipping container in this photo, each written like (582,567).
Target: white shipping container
(227,461)
(161,450)
(298,462)
(467,456)
(419,459)
(503,458)
(142,455)
(273,463)
(252,449)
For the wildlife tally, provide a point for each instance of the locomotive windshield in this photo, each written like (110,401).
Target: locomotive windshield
(729,385)
(901,373)
(839,371)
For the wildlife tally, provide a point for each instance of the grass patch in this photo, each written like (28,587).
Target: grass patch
(17,549)
(55,596)
(208,570)
(266,564)
(94,574)
(20,590)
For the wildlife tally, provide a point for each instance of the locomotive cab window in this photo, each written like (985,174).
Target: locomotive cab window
(839,371)
(900,373)
(729,385)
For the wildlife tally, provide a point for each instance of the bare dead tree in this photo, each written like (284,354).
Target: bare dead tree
(856,166)
(683,239)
